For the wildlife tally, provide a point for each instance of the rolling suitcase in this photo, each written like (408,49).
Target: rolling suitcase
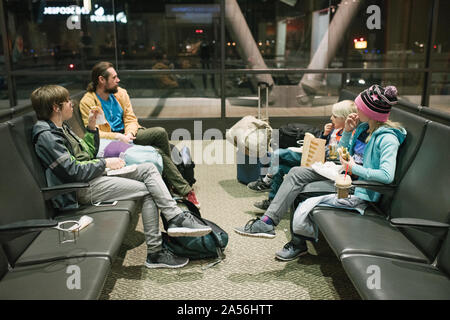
(250,167)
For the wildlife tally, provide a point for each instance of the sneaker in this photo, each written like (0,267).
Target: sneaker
(165,259)
(185,225)
(290,251)
(256,228)
(263,205)
(192,198)
(259,185)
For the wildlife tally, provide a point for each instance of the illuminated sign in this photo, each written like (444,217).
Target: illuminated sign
(65,10)
(360,43)
(98,16)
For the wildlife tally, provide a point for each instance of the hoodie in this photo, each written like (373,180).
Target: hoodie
(379,159)
(62,164)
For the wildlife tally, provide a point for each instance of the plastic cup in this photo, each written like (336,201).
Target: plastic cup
(343,184)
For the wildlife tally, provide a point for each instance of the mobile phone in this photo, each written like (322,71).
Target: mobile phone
(105,203)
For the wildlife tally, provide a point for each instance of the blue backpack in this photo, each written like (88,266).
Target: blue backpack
(211,245)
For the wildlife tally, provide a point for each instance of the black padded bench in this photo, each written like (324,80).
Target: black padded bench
(35,265)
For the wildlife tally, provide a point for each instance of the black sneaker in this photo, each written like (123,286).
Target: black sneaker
(263,205)
(165,259)
(259,185)
(290,251)
(185,225)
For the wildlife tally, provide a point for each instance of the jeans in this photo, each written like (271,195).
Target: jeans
(286,160)
(145,182)
(158,138)
(291,187)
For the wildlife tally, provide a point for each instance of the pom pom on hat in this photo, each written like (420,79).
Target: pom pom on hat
(390,92)
(376,102)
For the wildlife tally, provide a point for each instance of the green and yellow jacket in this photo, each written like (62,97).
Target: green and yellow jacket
(67,158)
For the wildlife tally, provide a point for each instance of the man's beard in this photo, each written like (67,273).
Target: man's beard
(112,90)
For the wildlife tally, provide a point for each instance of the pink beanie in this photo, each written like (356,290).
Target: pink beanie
(376,102)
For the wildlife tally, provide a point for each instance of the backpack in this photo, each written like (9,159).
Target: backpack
(290,133)
(184,163)
(211,245)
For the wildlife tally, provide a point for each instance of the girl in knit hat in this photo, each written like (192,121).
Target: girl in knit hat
(375,143)
(373,151)
(372,156)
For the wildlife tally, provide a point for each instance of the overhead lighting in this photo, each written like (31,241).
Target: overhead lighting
(289,2)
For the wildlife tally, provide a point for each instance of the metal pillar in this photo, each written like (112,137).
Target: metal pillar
(222,60)
(247,48)
(310,83)
(432,25)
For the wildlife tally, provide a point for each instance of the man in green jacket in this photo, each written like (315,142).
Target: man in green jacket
(67,158)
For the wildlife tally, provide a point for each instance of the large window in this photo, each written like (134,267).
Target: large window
(168,53)
(60,35)
(440,60)
(171,35)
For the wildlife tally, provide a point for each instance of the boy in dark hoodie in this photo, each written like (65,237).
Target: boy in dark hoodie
(67,158)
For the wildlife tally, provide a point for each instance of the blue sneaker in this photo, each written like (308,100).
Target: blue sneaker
(256,228)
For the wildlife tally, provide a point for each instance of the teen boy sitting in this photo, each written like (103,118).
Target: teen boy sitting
(67,158)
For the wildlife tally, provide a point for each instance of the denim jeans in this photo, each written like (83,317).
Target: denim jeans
(291,187)
(286,160)
(145,182)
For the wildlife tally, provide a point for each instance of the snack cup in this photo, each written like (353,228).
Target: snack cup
(343,186)
(100,116)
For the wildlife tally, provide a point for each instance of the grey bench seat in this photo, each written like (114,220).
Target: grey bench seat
(348,232)
(48,281)
(399,279)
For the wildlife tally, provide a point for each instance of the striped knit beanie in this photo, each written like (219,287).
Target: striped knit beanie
(376,102)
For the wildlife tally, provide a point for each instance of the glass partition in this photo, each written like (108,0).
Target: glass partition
(76,84)
(285,101)
(174,95)
(440,91)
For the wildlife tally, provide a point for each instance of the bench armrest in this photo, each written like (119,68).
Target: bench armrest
(51,192)
(411,222)
(435,228)
(387,189)
(13,230)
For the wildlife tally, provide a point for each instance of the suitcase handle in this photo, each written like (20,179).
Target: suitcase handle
(263,85)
